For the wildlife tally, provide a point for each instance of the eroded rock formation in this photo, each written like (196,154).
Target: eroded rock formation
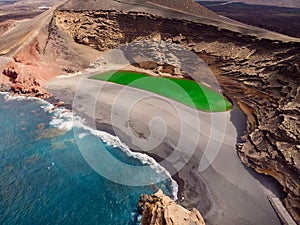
(159,209)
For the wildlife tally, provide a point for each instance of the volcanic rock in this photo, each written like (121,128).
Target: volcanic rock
(159,209)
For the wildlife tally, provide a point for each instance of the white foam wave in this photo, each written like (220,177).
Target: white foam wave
(61,117)
(9,97)
(114,141)
(81,136)
(64,119)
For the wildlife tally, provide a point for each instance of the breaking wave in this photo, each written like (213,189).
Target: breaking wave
(64,119)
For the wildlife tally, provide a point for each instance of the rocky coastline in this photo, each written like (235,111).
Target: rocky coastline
(262,75)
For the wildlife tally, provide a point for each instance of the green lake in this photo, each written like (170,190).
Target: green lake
(185,91)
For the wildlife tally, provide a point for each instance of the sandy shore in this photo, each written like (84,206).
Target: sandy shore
(197,148)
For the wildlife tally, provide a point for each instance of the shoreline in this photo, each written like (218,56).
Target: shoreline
(108,128)
(196,187)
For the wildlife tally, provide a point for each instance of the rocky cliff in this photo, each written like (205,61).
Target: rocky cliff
(262,75)
(159,209)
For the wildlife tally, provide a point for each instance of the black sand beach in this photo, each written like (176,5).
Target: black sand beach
(225,192)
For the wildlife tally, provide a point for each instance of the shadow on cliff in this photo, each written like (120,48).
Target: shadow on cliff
(238,118)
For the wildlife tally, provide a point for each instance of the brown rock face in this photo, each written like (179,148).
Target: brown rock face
(159,209)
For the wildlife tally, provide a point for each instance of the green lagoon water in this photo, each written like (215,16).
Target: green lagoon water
(184,91)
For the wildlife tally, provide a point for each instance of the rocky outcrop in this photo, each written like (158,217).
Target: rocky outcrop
(261,75)
(159,209)
(21,72)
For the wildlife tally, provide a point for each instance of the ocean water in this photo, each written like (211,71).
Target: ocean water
(44,179)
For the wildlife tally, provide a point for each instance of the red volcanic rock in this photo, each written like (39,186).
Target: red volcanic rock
(26,82)
(34,47)
(20,58)
(11,72)
(28,70)
(31,87)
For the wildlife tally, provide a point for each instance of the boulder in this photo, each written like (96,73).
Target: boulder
(159,209)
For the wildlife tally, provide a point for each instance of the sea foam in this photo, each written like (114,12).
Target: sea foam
(63,119)
(115,142)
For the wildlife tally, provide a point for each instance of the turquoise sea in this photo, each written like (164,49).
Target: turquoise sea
(44,179)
